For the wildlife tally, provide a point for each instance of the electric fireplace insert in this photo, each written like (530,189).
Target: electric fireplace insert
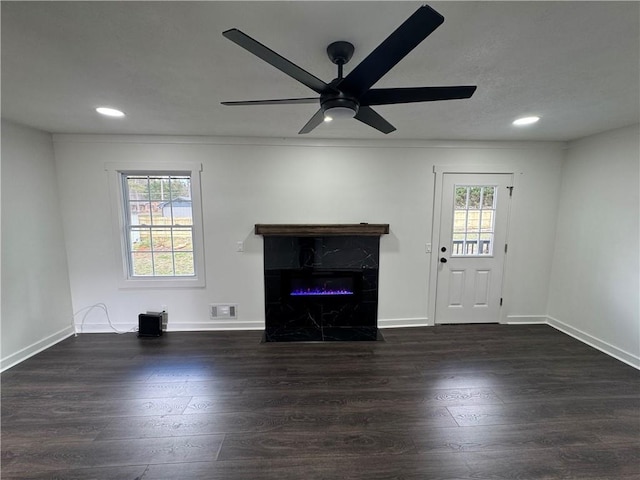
(321,287)
(302,283)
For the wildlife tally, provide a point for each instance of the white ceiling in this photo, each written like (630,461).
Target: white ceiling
(166,64)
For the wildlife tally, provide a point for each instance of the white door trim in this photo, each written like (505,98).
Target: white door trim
(439,172)
(439,169)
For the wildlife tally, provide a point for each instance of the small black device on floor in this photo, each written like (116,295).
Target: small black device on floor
(149,324)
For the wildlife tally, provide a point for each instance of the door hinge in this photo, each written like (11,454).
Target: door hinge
(500,301)
(506,247)
(510,191)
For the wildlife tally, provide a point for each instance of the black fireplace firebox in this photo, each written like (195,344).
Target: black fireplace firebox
(321,288)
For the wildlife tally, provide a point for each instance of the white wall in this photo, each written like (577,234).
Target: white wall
(245,182)
(36,300)
(594,288)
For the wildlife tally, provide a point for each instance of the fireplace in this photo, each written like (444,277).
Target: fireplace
(321,284)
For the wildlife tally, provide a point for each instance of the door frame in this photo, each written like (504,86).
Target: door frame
(439,172)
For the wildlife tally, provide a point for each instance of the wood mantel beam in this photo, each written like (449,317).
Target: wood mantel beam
(319,230)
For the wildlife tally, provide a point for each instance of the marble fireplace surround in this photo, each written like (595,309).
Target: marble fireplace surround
(345,256)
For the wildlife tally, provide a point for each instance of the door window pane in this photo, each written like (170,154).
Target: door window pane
(487,197)
(461,198)
(460,221)
(474,196)
(487,221)
(473,220)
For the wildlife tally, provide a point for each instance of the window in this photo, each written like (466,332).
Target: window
(473,220)
(159,226)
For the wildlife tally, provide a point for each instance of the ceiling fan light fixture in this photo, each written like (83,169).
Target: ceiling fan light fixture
(338,113)
(338,108)
(519,122)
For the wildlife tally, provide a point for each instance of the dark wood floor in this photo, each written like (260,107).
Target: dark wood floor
(448,402)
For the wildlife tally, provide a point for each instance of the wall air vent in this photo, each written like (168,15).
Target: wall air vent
(222,310)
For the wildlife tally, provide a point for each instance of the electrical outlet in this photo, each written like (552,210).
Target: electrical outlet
(239,246)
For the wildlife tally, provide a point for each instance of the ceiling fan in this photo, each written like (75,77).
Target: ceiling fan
(352,96)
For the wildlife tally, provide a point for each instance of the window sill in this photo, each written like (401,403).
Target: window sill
(132,283)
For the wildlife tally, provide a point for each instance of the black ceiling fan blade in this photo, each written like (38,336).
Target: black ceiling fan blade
(277,101)
(389,96)
(396,46)
(278,61)
(316,120)
(372,118)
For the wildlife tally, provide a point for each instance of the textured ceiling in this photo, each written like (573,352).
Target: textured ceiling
(166,64)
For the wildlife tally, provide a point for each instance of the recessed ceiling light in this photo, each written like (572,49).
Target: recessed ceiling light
(109,112)
(526,120)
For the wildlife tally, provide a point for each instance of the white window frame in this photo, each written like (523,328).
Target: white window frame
(116,173)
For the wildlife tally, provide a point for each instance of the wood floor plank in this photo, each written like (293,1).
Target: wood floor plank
(72,430)
(187,425)
(504,437)
(353,399)
(136,472)
(583,462)
(121,391)
(541,464)
(315,445)
(317,420)
(380,467)
(110,453)
(37,411)
(538,412)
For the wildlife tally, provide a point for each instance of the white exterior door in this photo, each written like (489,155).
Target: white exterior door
(472,246)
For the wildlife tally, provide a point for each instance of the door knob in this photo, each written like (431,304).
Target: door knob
(443,260)
(443,249)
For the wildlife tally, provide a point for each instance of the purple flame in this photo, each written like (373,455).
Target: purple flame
(318,291)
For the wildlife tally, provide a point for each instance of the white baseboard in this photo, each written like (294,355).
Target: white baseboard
(403,322)
(212,325)
(216,325)
(526,319)
(37,347)
(229,324)
(105,328)
(615,352)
